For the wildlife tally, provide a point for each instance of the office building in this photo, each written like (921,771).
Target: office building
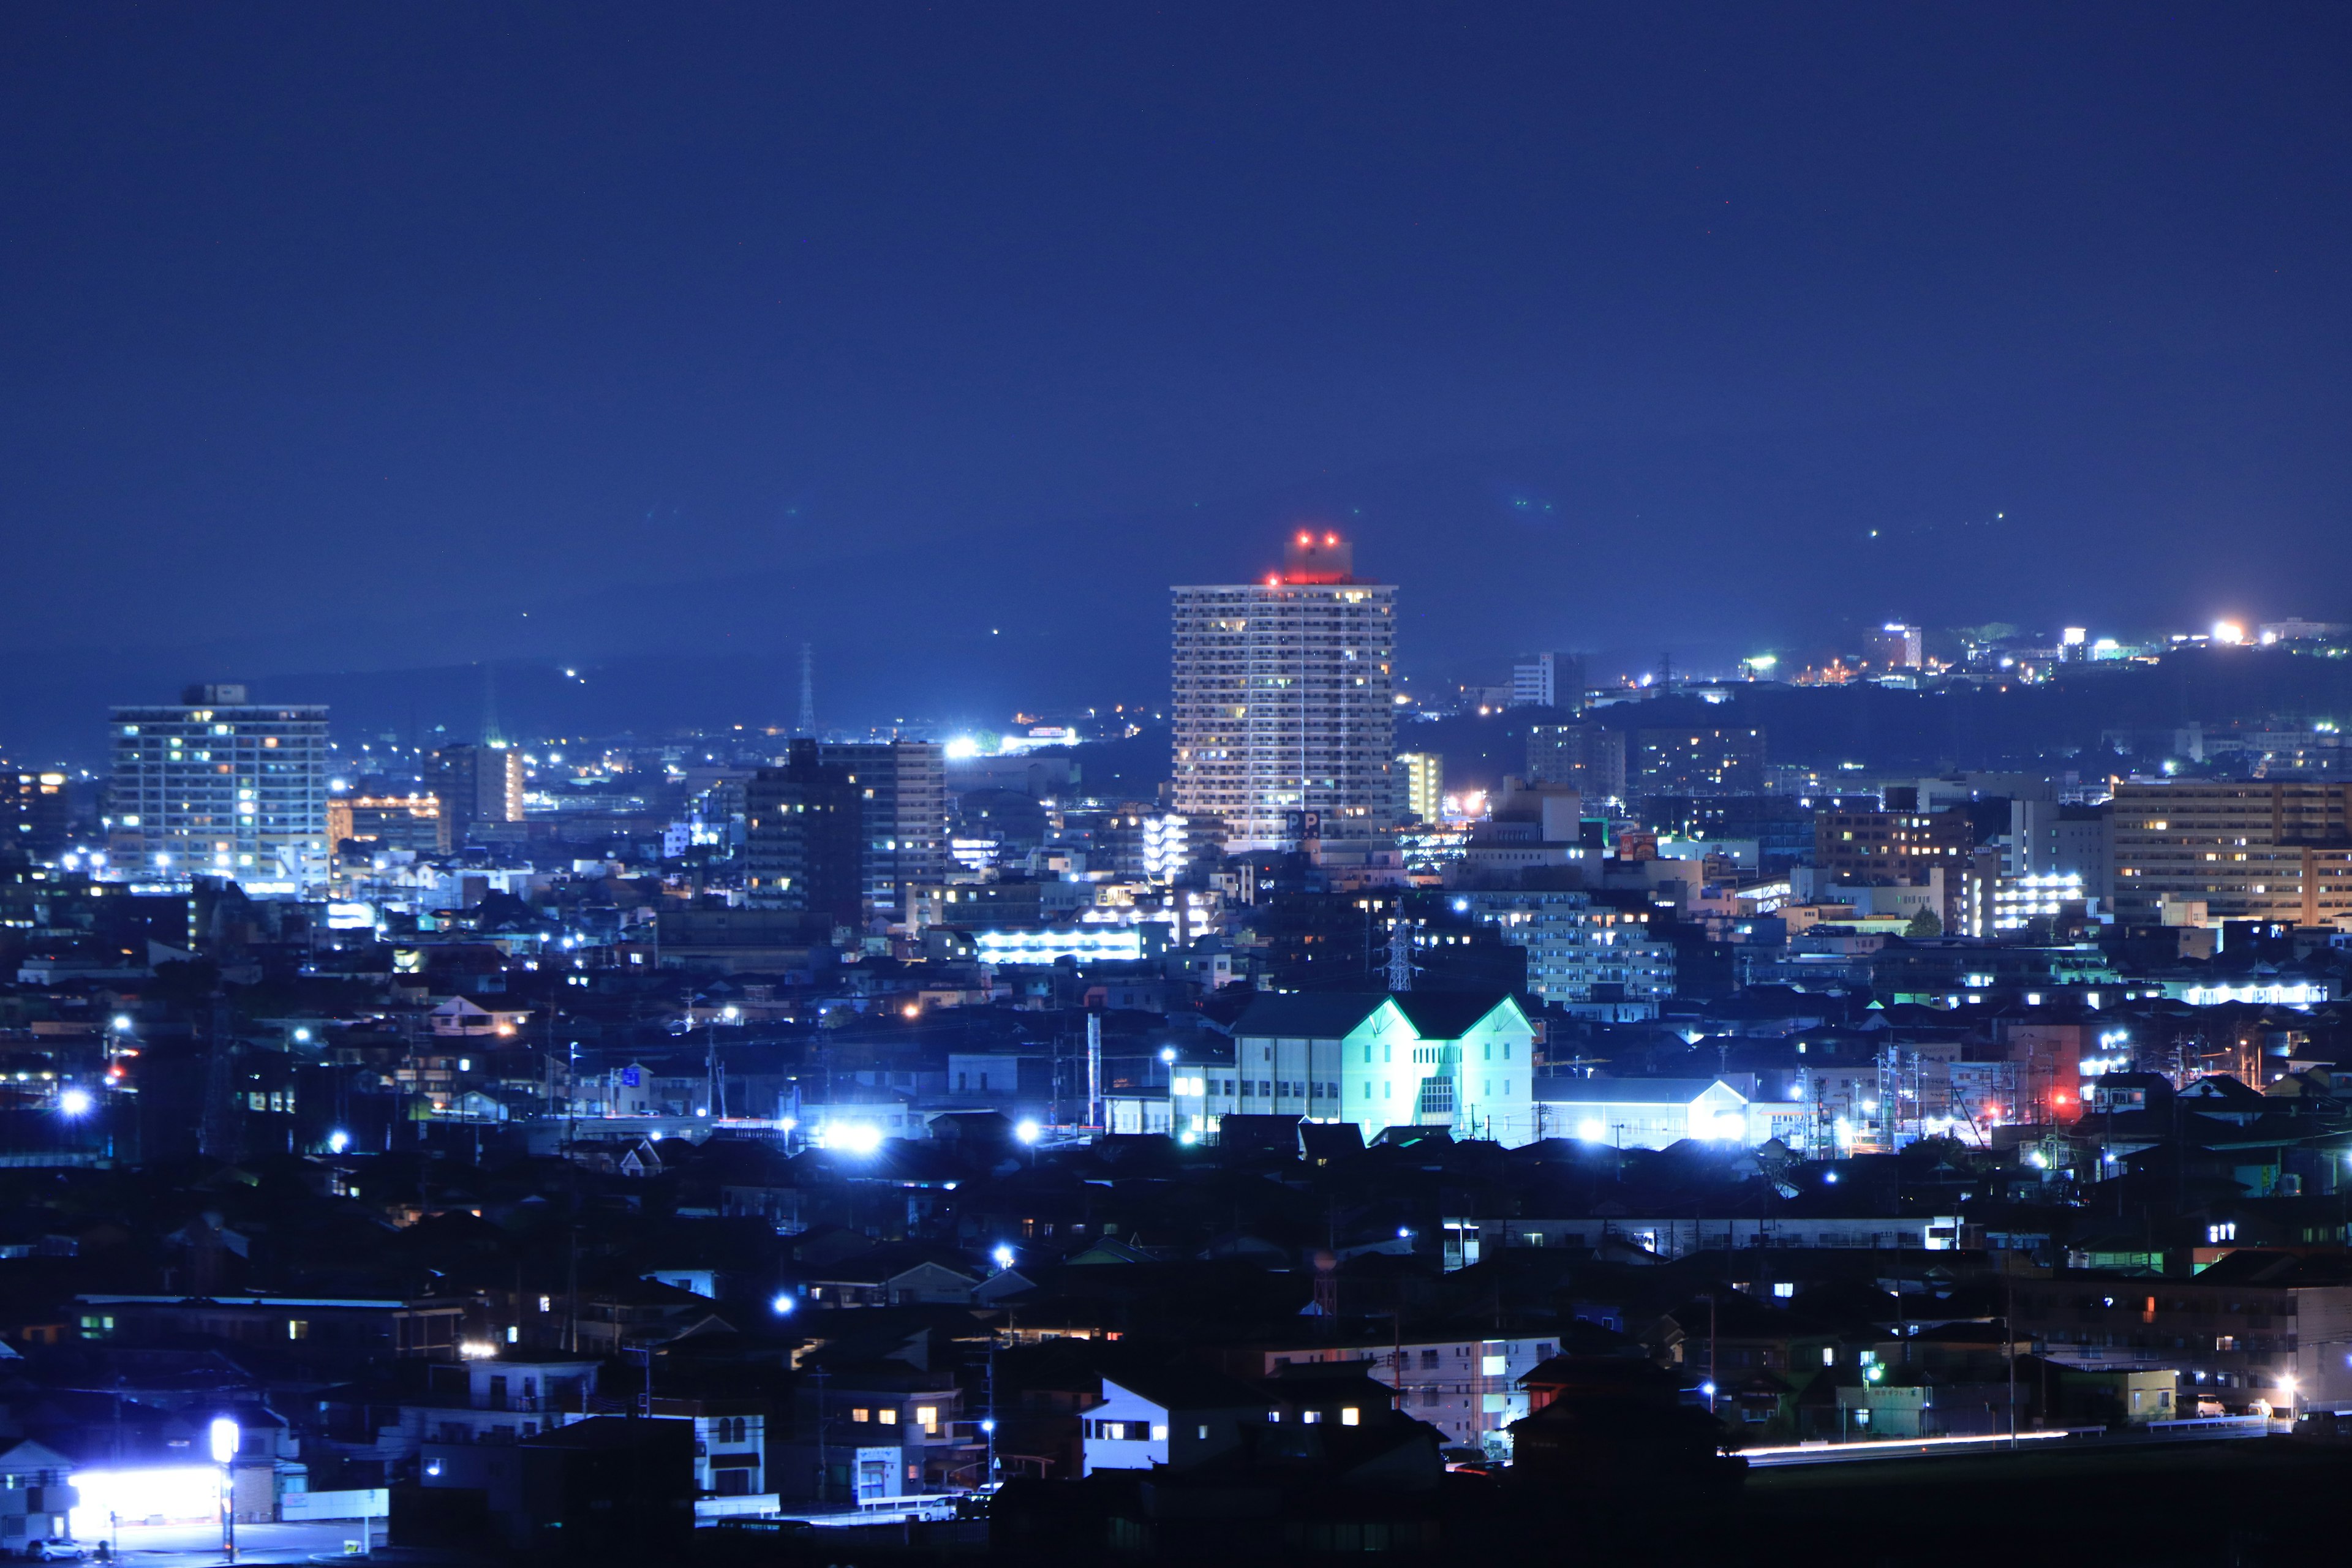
(1699,759)
(1548,681)
(1896,646)
(218,785)
(1588,758)
(1425,785)
(902,793)
(2274,849)
(803,838)
(478,786)
(411,822)
(1284,706)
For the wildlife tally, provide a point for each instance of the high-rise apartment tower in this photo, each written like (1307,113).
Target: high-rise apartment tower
(1284,701)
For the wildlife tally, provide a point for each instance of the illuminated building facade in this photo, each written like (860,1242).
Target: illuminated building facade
(216,785)
(2278,849)
(1284,704)
(1425,785)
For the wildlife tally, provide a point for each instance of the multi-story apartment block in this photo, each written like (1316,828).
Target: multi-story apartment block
(1285,707)
(216,785)
(1577,951)
(1425,785)
(902,788)
(1899,846)
(2276,849)
(1700,760)
(803,838)
(478,786)
(1587,757)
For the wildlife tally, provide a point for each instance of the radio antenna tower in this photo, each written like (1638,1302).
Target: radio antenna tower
(808,691)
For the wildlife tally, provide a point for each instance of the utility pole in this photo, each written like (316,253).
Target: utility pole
(818,1378)
(2009,1339)
(1094,1071)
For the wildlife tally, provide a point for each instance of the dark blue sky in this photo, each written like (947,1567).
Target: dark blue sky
(341,337)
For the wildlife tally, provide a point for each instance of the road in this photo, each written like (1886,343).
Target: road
(188,1545)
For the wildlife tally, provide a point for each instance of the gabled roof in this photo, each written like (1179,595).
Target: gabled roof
(1180,1387)
(1334,1015)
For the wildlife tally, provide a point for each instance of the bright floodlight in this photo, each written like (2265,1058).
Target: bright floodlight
(1003,1256)
(731,1012)
(988,1425)
(121,1023)
(337,1141)
(784,1305)
(962,748)
(75,1102)
(854,1137)
(1027,1132)
(301,1037)
(224,1439)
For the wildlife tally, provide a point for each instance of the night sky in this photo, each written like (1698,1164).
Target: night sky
(653,340)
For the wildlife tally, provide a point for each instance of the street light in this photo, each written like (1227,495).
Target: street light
(75,1102)
(226,1438)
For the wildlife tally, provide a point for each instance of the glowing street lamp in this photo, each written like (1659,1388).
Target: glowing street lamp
(226,1438)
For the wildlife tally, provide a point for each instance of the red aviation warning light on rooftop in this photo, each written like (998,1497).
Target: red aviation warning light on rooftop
(1315,557)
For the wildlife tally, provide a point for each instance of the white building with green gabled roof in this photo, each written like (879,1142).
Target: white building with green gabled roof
(1429,1058)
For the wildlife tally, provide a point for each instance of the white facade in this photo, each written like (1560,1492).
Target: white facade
(1376,1070)
(1285,710)
(1548,680)
(1125,1432)
(1645,1113)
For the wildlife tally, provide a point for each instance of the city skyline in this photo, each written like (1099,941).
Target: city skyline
(1962,293)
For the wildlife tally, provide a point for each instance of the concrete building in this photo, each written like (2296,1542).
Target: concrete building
(805,844)
(1699,759)
(1644,1112)
(2276,849)
(1424,785)
(37,816)
(1548,681)
(1459,1061)
(903,819)
(1283,704)
(411,822)
(1578,952)
(2049,838)
(1896,646)
(1587,757)
(478,786)
(1900,849)
(218,785)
